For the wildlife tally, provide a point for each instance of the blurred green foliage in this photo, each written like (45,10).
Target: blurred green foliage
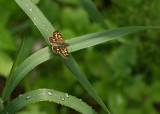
(125,73)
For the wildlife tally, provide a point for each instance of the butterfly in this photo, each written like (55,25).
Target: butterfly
(58,44)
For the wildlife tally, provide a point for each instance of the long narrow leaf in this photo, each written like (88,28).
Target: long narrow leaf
(18,57)
(73,67)
(100,37)
(93,12)
(31,62)
(1,105)
(46,30)
(76,44)
(48,95)
(39,20)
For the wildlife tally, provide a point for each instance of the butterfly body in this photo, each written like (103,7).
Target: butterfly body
(58,44)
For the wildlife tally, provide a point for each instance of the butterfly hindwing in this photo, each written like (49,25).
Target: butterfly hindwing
(56,49)
(61,50)
(64,51)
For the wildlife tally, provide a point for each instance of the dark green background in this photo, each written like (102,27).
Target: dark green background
(125,72)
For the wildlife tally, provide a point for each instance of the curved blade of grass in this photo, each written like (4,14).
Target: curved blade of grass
(48,95)
(100,37)
(39,20)
(74,68)
(34,13)
(76,44)
(1,105)
(31,62)
(93,12)
(14,66)
(46,30)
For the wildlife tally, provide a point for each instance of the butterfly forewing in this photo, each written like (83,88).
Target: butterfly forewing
(58,44)
(57,36)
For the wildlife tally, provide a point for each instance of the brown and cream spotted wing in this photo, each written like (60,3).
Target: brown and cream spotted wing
(58,44)
(61,50)
(56,37)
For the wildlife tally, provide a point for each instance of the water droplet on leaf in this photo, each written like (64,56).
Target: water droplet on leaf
(49,93)
(19,96)
(63,99)
(28,97)
(67,95)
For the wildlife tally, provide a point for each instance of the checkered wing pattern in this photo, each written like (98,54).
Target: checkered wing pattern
(58,44)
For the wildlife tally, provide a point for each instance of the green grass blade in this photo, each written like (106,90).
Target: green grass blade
(100,37)
(46,29)
(74,68)
(31,62)
(48,95)
(14,66)
(39,20)
(1,105)
(46,54)
(93,12)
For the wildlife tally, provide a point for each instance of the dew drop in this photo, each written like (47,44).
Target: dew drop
(55,94)
(19,96)
(44,25)
(67,95)
(34,18)
(35,24)
(28,97)
(30,9)
(49,93)
(63,99)
(59,97)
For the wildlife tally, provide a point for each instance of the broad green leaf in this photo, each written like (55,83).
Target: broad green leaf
(48,95)
(93,12)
